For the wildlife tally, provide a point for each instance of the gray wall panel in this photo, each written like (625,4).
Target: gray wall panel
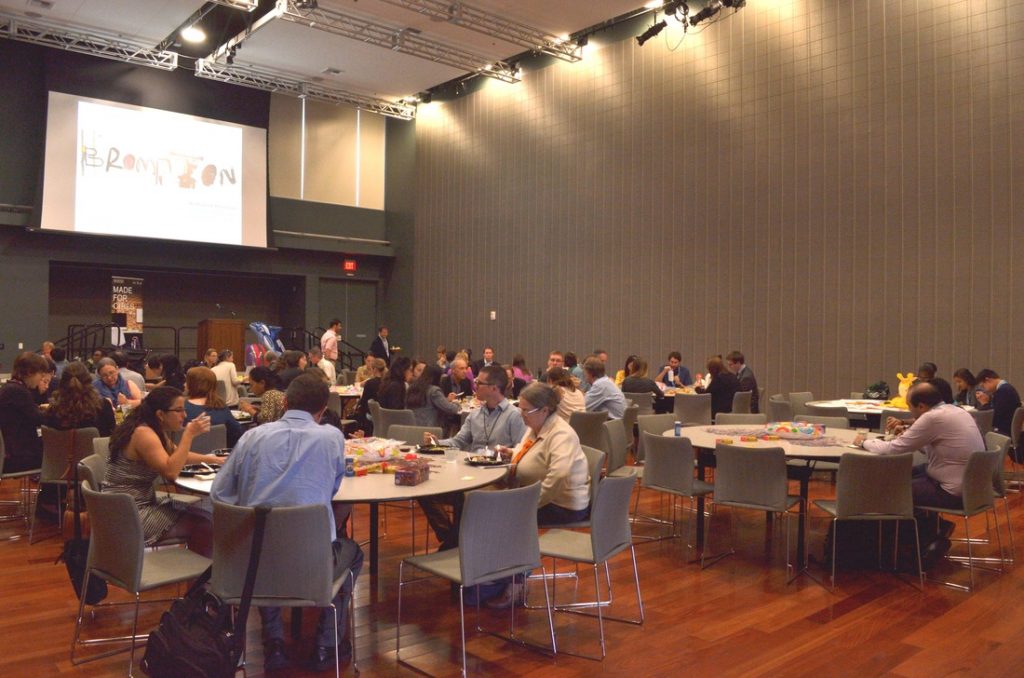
(828,186)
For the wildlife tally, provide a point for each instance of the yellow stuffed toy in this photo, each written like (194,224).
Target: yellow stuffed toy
(900,401)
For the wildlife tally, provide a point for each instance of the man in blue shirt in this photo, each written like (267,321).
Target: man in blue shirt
(295,462)
(603,395)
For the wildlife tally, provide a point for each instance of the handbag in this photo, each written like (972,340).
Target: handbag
(196,638)
(76,550)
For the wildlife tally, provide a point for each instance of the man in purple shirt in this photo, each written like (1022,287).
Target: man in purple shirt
(948,436)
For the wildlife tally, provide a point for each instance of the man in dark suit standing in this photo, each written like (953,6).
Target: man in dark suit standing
(379,348)
(478,365)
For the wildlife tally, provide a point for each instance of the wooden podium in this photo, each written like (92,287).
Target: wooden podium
(221,334)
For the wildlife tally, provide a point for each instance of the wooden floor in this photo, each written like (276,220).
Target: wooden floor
(738,617)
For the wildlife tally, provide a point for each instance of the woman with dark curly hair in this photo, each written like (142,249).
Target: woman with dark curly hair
(76,404)
(141,450)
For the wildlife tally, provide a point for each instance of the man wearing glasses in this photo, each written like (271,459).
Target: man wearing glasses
(495,422)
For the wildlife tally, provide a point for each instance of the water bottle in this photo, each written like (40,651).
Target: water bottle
(679,429)
(671,377)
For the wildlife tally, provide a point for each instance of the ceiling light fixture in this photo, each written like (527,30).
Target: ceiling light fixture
(709,11)
(193,34)
(651,31)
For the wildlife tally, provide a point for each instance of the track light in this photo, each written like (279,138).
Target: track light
(709,11)
(652,31)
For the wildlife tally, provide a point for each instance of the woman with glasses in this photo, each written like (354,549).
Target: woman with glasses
(550,453)
(141,451)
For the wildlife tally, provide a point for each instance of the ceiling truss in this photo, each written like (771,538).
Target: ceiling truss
(494,25)
(92,43)
(269,81)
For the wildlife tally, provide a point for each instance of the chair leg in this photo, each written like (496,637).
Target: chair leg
(337,648)
(352,621)
(81,612)
(135,628)
(398,619)
(462,627)
(600,614)
(1009,528)
(970,552)
(835,538)
(547,604)
(636,580)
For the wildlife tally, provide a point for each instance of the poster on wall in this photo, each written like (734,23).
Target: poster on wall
(126,312)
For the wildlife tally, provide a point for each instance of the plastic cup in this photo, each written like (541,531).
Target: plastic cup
(451,456)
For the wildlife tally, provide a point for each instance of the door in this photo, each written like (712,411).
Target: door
(355,304)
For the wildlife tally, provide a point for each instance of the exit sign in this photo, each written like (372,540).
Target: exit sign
(349,266)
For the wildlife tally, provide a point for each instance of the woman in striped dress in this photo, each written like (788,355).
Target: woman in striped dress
(141,450)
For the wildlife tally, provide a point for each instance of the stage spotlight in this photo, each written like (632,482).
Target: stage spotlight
(650,32)
(709,11)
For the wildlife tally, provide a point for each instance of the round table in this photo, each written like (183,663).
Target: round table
(705,441)
(374,488)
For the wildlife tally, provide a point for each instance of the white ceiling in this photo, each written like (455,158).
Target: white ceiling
(306,52)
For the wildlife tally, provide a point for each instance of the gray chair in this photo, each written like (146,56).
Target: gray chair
(214,439)
(741,402)
(983,418)
(827,411)
(651,423)
(629,423)
(798,402)
(374,408)
(117,554)
(609,535)
(617,448)
(643,401)
(751,478)
(382,425)
(903,415)
(101,446)
(873,487)
(497,540)
(779,409)
(296,568)
(61,449)
(978,497)
(827,422)
(997,442)
(222,390)
(589,427)
(740,419)
(669,469)
(93,469)
(334,403)
(693,408)
(24,501)
(413,435)
(595,463)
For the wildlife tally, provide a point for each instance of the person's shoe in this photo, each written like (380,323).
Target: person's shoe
(274,658)
(946,528)
(934,552)
(322,658)
(511,595)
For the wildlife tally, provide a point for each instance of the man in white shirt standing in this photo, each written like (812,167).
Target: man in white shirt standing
(227,374)
(948,436)
(317,359)
(329,341)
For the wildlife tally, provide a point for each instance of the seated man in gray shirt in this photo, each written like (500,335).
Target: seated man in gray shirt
(495,422)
